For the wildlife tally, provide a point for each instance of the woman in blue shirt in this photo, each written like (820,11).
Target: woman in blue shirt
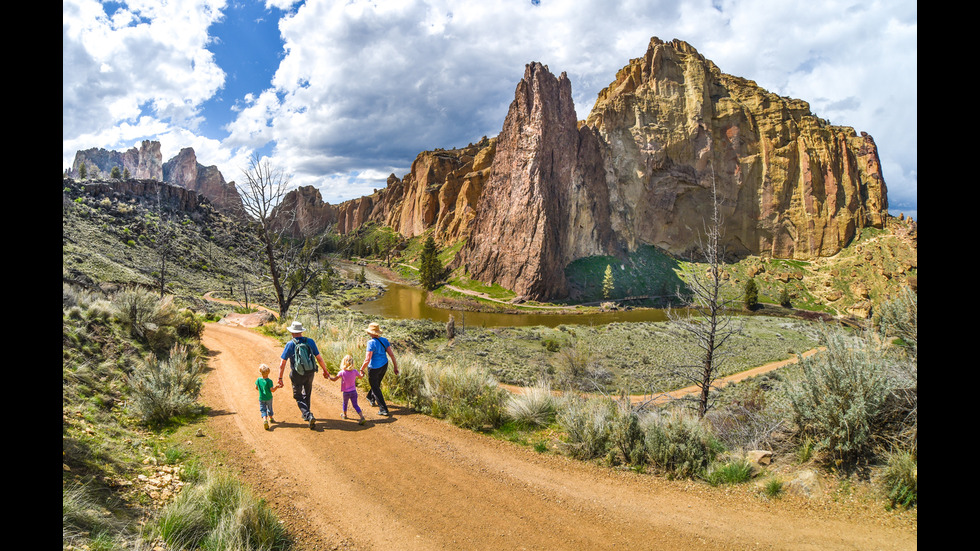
(376,364)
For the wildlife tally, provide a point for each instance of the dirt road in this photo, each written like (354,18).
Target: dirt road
(413,482)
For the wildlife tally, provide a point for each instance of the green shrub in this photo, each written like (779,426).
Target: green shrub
(840,398)
(626,436)
(587,425)
(163,389)
(734,471)
(751,296)
(900,479)
(773,488)
(680,445)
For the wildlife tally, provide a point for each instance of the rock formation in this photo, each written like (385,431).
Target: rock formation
(441,191)
(638,171)
(545,202)
(146,163)
(184,170)
(304,212)
(790,184)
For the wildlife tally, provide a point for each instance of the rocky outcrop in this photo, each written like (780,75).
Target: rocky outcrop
(184,170)
(790,184)
(145,163)
(545,202)
(303,213)
(159,195)
(440,192)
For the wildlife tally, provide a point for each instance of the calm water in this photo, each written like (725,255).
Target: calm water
(401,302)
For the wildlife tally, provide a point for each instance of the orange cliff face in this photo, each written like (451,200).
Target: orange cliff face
(638,171)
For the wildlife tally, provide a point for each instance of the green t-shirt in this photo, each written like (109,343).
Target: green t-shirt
(265,388)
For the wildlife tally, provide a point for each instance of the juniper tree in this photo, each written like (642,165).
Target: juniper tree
(751,294)
(430,270)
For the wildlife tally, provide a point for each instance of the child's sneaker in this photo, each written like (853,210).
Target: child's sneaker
(271,420)
(266,423)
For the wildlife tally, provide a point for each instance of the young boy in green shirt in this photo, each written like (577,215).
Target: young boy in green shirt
(266,388)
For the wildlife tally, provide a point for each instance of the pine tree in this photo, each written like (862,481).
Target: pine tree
(430,269)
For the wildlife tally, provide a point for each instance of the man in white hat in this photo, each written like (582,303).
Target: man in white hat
(376,364)
(302,384)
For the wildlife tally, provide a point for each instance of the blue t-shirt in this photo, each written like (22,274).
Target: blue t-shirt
(378,357)
(290,350)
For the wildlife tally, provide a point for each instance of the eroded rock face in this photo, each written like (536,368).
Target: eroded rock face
(184,170)
(145,163)
(441,191)
(304,212)
(544,202)
(791,185)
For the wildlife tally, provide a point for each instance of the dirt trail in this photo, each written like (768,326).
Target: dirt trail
(413,482)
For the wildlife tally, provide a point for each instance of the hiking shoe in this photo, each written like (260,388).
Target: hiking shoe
(343,416)
(271,420)
(374,403)
(312,423)
(385,413)
(361,421)
(266,423)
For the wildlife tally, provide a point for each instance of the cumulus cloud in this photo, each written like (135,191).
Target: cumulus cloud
(141,66)
(363,87)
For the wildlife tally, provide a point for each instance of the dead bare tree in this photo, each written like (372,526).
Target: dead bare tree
(708,315)
(292,262)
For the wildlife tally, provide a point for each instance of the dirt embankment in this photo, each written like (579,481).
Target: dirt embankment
(413,482)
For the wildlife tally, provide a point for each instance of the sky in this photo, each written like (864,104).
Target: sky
(340,94)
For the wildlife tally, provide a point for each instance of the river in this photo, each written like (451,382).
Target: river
(405,302)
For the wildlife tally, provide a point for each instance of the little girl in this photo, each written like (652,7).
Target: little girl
(348,376)
(266,388)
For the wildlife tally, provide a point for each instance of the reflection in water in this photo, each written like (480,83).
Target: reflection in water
(404,302)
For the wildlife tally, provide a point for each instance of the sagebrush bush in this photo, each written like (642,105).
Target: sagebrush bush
(587,425)
(409,386)
(626,435)
(679,444)
(141,311)
(163,389)
(535,407)
(840,398)
(469,397)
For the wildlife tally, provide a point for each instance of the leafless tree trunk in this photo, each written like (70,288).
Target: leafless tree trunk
(292,265)
(708,316)
(164,242)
